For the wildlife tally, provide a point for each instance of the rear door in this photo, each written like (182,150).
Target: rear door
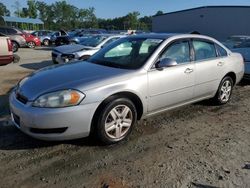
(208,68)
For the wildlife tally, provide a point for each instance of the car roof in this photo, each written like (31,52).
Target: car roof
(155,35)
(165,36)
(240,36)
(108,35)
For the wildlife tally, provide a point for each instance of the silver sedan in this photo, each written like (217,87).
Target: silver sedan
(133,78)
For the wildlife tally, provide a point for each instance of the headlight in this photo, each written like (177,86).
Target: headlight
(59,99)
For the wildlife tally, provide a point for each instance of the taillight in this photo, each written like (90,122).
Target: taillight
(9,45)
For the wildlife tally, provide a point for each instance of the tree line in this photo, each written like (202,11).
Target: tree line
(62,15)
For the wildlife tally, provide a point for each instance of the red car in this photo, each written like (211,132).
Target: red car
(32,41)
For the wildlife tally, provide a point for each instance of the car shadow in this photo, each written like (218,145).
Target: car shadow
(244,82)
(13,139)
(37,66)
(45,48)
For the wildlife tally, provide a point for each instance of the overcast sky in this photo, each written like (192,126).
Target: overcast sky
(116,8)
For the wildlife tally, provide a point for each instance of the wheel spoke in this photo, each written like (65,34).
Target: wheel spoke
(110,126)
(117,132)
(114,114)
(127,121)
(125,112)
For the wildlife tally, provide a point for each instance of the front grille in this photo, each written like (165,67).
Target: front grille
(48,131)
(21,98)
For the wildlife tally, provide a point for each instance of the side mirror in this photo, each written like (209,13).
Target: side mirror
(165,62)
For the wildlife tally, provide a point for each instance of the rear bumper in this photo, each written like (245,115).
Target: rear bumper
(7,59)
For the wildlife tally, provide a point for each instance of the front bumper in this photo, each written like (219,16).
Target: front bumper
(64,123)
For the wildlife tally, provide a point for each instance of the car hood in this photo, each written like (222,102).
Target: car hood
(80,75)
(72,48)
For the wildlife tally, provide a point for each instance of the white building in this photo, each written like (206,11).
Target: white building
(216,21)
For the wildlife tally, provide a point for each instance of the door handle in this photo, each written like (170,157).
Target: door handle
(220,64)
(188,71)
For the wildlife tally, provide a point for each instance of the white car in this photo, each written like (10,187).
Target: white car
(6,53)
(82,51)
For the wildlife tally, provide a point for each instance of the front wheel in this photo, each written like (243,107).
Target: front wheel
(224,92)
(46,42)
(116,120)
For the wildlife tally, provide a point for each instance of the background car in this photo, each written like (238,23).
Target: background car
(86,33)
(235,40)
(16,36)
(67,39)
(84,50)
(44,36)
(57,34)
(6,53)
(32,41)
(244,50)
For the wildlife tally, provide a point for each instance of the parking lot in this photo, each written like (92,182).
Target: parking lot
(199,145)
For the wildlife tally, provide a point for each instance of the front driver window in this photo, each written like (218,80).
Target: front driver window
(178,51)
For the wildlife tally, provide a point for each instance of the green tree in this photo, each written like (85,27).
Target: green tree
(159,12)
(17,8)
(32,10)
(3,10)
(131,20)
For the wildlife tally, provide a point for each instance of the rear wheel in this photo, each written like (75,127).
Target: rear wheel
(224,92)
(31,44)
(14,46)
(116,120)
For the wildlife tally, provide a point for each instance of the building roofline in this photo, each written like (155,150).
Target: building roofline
(22,20)
(203,7)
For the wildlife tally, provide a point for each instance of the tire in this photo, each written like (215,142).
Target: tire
(31,44)
(46,42)
(224,92)
(112,126)
(15,46)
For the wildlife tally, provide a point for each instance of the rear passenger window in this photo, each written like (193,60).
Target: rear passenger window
(221,51)
(204,50)
(11,31)
(3,31)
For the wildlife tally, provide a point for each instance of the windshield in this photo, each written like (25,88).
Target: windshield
(126,53)
(93,41)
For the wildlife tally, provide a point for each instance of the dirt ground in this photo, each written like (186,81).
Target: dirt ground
(197,146)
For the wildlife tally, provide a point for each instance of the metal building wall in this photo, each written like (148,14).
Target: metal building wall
(218,22)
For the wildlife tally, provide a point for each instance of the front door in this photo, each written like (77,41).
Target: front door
(174,85)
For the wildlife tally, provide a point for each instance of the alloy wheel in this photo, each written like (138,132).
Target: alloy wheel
(31,45)
(118,121)
(225,91)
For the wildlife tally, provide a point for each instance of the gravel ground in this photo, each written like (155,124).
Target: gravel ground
(200,146)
